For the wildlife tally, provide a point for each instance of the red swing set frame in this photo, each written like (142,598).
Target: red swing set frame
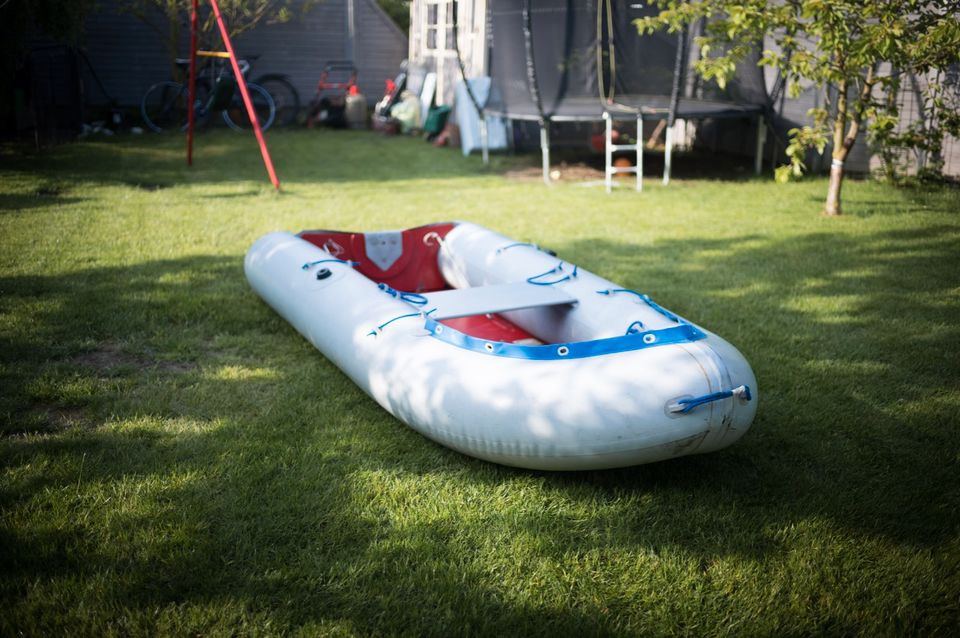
(241,83)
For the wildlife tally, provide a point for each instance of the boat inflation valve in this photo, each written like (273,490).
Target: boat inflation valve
(323,273)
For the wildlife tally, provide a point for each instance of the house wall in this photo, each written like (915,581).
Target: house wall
(126,54)
(431,44)
(129,55)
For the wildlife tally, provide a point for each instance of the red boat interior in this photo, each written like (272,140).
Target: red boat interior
(416,270)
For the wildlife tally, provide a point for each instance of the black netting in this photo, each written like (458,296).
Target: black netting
(643,65)
(572,60)
(563,39)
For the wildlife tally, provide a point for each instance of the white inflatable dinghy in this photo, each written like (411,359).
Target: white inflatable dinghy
(503,351)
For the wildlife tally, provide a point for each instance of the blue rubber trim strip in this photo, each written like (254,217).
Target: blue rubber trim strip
(683,333)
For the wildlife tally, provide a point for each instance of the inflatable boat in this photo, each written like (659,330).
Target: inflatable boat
(504,351)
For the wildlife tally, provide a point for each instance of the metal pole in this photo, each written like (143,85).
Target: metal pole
(608,136)
(192,87)
(639,154)
(667,153)
(242,84)
(545,151)
(351,32)
(484,139)
(761,140)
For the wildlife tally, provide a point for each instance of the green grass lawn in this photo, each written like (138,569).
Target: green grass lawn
(175,459)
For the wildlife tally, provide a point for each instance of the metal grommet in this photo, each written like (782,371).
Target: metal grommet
(438,329)
(563,351)
(649,338)
(488,346)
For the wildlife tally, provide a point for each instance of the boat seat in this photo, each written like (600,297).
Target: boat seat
(482,300)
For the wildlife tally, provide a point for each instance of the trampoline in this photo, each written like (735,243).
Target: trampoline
(584,61)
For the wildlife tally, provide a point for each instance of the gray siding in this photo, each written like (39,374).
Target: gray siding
(129,56)
(380,62)
(299,48)
(126,54)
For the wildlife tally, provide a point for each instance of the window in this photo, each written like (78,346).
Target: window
(439,26)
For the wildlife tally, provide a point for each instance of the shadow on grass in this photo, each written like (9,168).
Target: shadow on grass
(244,461)
(300,157)
(14,202)
(326,156)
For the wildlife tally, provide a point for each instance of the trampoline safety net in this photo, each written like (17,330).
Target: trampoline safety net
(574,60)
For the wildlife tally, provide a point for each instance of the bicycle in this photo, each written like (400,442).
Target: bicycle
(284,94)
(164,105)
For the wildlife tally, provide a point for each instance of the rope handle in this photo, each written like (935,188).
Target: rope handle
(684,406)
(516,244)
(535,280)
(409,297)
(376,332)
(645,299)
(550,252)
(433,236)
(311,264)
(634,328)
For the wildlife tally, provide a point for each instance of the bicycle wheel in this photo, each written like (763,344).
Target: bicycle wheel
(285,98)
(164,106)
(236,114)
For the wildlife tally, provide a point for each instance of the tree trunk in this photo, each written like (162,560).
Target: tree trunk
(842,143)
(832,207)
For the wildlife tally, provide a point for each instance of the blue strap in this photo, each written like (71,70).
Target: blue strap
(515,244)
(686,405)
(383,325)
(683,333)
(556,269)
(311,264)
(409,297)
(644,298)
(634,328)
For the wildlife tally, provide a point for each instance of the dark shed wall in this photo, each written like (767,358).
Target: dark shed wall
(381,47)
(129,56)
(126,54)
(298,48)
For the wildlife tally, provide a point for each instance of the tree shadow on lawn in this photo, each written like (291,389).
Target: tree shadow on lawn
(154,162)
(855,345)
(247,465)
(212,458)
(11,202)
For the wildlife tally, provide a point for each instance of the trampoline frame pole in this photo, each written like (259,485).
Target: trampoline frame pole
(639,153)
(761,140)
(608,177)
(484,139)
(667,155)
(545,151)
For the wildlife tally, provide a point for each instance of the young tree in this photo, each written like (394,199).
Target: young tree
(841,44)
